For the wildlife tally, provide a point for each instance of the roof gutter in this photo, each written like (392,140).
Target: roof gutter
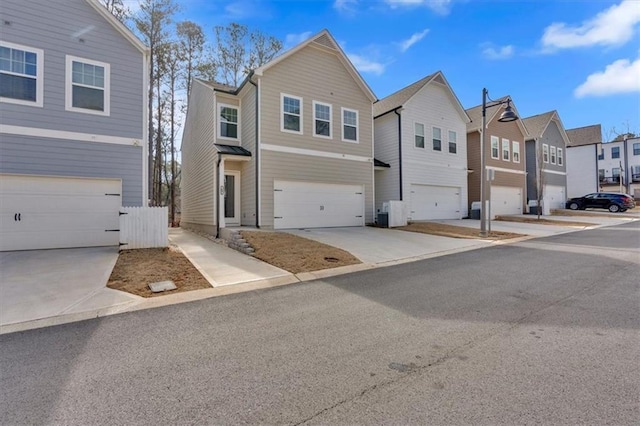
(257,155)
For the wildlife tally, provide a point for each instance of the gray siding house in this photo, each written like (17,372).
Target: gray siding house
(545,160)
(291,147)
(73,108)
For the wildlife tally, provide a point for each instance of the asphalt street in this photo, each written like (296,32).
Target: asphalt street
(543,331)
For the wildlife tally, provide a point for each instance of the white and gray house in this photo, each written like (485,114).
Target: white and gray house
(73,124)
(582,160)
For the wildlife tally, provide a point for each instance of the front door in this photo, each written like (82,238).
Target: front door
(232,197)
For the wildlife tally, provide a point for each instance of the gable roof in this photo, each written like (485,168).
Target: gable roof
(402,96)
(536,125)
(475,114)
(119,26)
(325,41)
(587,135)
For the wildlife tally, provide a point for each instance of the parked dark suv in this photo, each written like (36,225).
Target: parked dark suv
(612,201)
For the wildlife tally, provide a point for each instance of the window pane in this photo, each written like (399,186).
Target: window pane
(30,70)
(84,97)
(5,53)
(419,141)
(291,122)
(350,133)
(453,148)
(323,112)
(229,130)
(419,129)
(229,114)
(437,133)
(452,136)
(437,145)
(322,128)
(5,64)
(16,87)
(350,118)
(291,105)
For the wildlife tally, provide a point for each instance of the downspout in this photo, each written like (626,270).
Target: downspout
(257,156)
(217,176)
(399,148)
(597,168)
(627,175)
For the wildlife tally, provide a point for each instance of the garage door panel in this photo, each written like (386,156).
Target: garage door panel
(429,202)
(313,205)
(40,212)
(554,198)
(506,200)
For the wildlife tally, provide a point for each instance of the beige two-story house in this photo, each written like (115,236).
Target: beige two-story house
(291,147)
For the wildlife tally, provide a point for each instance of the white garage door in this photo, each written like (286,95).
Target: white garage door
(554,198)
(505,200)
(317,205)
(52,212)
(435,202)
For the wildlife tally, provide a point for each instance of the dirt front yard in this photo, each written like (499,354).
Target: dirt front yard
(542,221)
(453,231)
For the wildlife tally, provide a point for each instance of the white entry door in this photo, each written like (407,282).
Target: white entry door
(232,197)
(505,200)
(317,205)
(38,212)
(430,202)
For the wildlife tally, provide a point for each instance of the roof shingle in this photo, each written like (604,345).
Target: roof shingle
(587,135)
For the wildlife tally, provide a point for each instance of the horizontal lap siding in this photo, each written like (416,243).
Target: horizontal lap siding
(56,157)
(293,167)
(248,181)
(387,150)
(50,26)
(198,159)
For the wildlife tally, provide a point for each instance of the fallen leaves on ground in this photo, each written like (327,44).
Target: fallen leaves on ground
(542,221)
(296,254)
(136,269)
(453,231)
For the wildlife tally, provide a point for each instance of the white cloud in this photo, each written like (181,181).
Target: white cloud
(291,40)
(503,52)
(439,6)
(345,6)
(366,65)
(406,44)
(612,27)
(622,76)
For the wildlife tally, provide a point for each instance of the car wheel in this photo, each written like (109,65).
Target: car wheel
(614,208)
(574,206)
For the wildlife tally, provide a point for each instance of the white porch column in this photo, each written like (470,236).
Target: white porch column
(221,191)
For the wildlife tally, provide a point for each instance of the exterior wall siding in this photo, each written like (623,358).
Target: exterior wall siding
(582,170)
(387,181)
(31,25)
(198,161)
(57,157)
(248,177)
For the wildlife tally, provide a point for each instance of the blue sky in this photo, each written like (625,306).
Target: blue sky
(581,58)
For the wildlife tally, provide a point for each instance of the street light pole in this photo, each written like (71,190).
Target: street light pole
(485,189)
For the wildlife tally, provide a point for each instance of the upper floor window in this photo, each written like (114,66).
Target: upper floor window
(516,152)
(506,153)
(87,86)
(453,142)
(601,154)
(21,77)
(437,139)
(636,148)
(545,153)
(560,157)
(615,172)
(291,114)
(615,152)
(228,121)
(494,147)
(349,125)
(553,155)
(419,135)
(321,119)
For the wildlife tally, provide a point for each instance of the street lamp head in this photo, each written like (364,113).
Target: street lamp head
(508,114)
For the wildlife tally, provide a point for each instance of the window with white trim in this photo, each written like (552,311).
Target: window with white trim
(545,153)
(437,139)
(494,147)
(88,86)
(560,157)
(553,154)
(453,142)
(601,174)
(615,172)
(419,135)
(516,152)
(321,120)
(228,121)
(636,149)
(349,125)
(506,152)
(291,110)
(21,74)
(615,152)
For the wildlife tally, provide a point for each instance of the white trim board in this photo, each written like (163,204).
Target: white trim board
(74,136)
(314,153)
(554,172)
(501,169)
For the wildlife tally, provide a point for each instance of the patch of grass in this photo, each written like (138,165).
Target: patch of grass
(136,269)
(296,254)
(542,221)
(453,231)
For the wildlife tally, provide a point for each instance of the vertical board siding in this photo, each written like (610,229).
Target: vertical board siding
(144,227)
(198,159)
(50,26)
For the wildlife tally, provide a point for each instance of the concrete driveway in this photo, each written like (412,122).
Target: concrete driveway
(381,246)
(37,284)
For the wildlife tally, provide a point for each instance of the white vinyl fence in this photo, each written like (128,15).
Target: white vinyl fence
(144,227)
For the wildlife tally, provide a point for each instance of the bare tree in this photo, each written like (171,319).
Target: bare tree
(191,43)
(263,48)
(117,9)
(231,52)
(174,61)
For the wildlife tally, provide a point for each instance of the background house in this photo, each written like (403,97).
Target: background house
(292,147)
(545,161)
(504,154)
(420,131)
(73,103)
(582,160)
(619,165)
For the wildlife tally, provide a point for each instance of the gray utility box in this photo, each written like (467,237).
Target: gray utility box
(475,210)
(383,220)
